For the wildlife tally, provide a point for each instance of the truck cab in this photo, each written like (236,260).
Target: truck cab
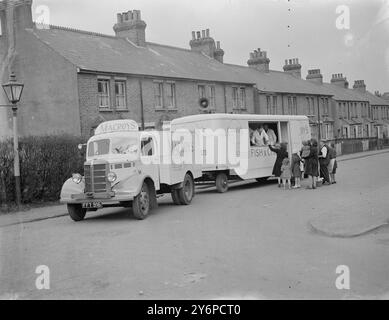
(123,168)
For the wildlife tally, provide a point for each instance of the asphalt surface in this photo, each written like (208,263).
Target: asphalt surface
(253,242)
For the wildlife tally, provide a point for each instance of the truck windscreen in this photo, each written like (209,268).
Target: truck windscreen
(116,146)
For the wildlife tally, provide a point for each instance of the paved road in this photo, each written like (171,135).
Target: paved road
(253,242)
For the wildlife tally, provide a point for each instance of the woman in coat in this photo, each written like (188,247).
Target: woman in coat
(312,163)
(282,153)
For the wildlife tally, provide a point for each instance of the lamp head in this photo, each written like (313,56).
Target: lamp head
(13,89)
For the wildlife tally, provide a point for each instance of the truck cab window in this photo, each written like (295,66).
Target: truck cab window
(147,147)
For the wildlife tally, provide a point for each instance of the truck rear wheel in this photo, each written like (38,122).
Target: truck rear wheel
(186,193)
(222,183)
(141,204)
(76,212)
(176,197)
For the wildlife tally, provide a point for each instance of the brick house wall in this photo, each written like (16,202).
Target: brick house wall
(303,108)
(186,100)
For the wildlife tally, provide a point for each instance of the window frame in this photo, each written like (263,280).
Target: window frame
(104,95)
(212,96)
(159,105)
(235,98)
(274,103)
(242,98)
(268,105)
(122,96)
(171,96)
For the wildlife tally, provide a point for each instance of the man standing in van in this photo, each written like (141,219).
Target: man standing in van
(271,134)
(260,137)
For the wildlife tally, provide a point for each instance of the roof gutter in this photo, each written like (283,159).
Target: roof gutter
(299,93)
(145,76)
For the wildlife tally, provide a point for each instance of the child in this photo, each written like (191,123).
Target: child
(296,170)
(305,152)
(286,173)
(333,164)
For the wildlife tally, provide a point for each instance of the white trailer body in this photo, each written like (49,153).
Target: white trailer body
(260,159)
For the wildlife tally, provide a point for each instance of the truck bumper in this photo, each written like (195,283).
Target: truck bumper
(109,198)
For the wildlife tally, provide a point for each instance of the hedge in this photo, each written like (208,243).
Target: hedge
(45,164)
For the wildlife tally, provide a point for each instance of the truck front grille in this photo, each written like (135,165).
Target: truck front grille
(96,178)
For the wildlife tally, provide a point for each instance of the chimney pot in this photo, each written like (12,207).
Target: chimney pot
(218,44)
(207,33)
(193,35)
(134,31)
(198,35)
(203,33)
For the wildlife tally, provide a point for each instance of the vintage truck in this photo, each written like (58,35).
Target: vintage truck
(126,167)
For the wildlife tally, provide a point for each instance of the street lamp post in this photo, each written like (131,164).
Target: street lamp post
(13,91)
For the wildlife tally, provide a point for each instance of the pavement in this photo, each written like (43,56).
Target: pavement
(340,224)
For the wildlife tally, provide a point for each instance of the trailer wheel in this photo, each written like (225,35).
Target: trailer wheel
(222,183)
(76,212)
(141,204)
(176,197)
(186,193)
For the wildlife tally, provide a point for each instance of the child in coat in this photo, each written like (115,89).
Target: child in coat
(296,170)
(305,152)
(286,173)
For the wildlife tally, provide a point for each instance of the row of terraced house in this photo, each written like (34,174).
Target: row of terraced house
(74,80)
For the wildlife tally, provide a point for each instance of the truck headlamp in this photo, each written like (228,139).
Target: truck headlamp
(112,177)
(77,178)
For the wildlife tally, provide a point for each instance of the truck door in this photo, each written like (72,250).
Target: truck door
(150,159)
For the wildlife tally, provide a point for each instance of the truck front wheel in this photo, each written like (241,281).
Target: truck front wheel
(141,204)
(222,183)
(186,193)
(76,212)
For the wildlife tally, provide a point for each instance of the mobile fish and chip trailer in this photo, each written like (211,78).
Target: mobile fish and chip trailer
(226,136)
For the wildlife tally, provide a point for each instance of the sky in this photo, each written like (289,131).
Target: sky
(336,36)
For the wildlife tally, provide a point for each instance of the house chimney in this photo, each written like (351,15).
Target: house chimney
(204,43)
(315,76)
(339,80)
(259,60)
(360,86)
(130,25)
(15,16)
(293,67)
(219,53)
(385,96)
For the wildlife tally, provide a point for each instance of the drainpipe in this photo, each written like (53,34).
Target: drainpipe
(319,117)
(225,99)
(141,104)
(282,104)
